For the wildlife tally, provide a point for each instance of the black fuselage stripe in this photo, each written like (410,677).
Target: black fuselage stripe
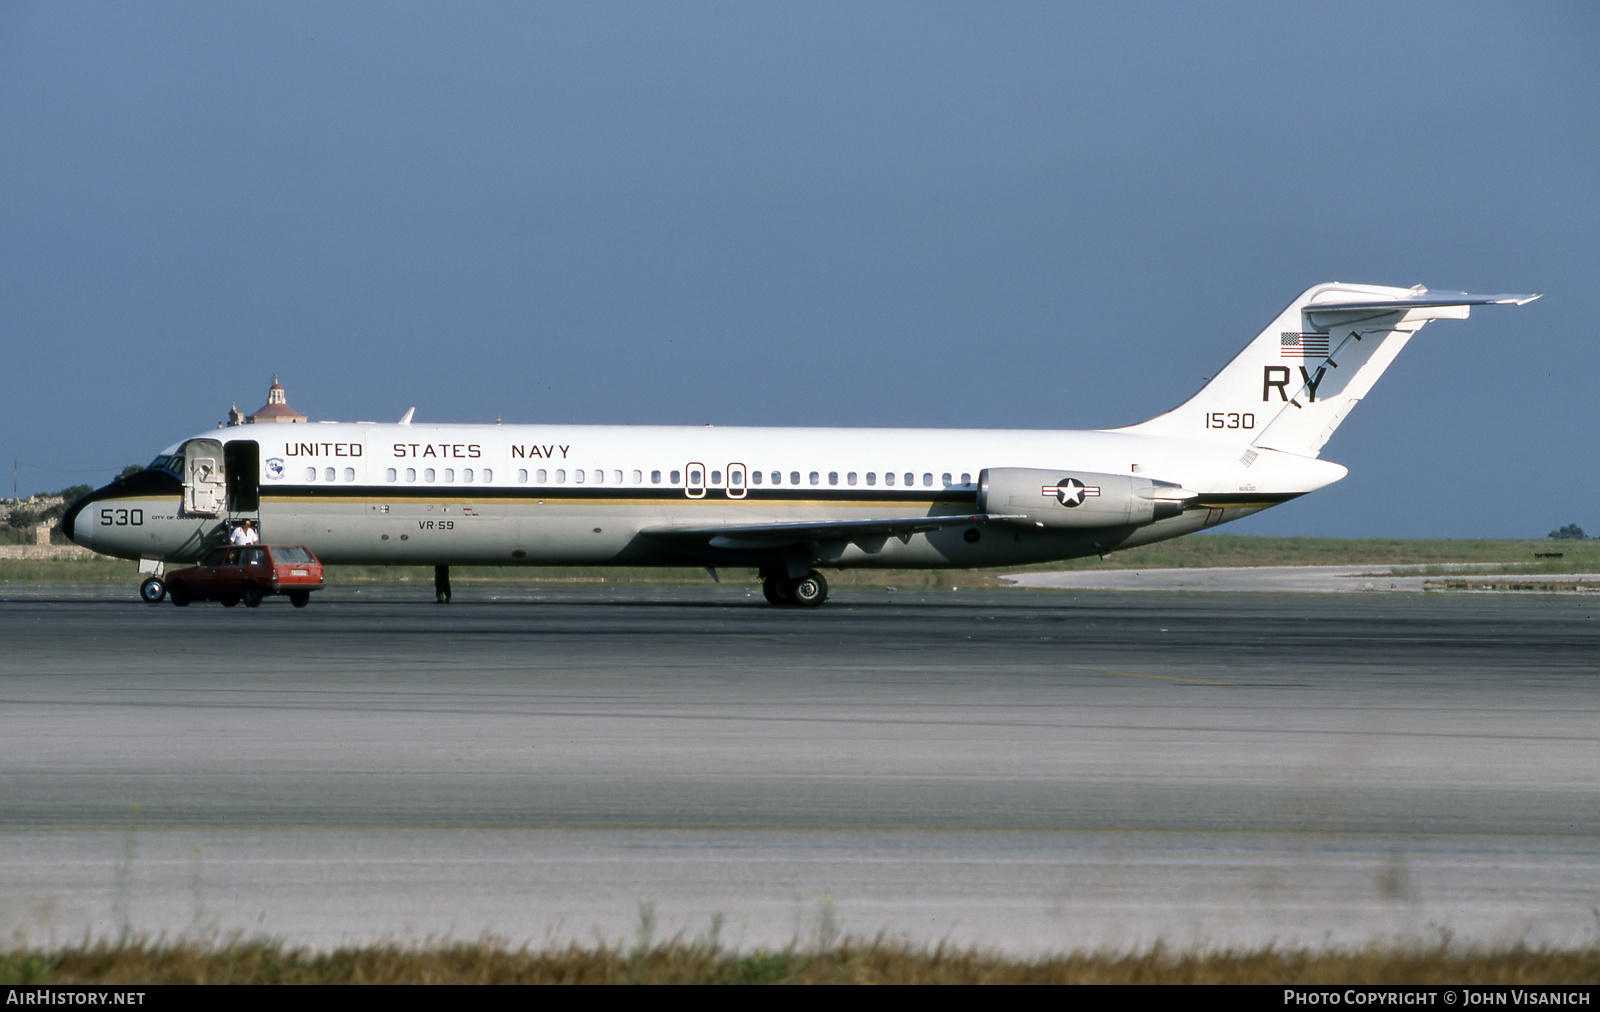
(434,493)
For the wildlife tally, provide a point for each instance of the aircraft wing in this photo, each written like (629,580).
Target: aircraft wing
(749,536)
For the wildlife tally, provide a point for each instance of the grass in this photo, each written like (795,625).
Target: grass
(850,962)
(1514,557)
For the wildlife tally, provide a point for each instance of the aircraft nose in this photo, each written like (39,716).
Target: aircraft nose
(69,520)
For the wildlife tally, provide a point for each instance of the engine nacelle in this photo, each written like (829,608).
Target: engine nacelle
(1077,498)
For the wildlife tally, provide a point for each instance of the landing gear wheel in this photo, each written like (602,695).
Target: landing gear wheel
(153,590)
(809,591)
(251,596)
(179,594)
(775,590)
(299,598)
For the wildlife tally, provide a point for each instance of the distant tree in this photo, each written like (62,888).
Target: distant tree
(72,493)
(1571,532)
(131,469)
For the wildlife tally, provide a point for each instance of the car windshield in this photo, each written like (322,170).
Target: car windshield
(291,555)
(215,558)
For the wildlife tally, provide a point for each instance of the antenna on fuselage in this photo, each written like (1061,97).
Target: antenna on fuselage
(405,419)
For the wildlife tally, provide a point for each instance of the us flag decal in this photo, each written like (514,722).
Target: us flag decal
(1304,345)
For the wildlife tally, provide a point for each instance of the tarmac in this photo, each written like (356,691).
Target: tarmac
(1031,771)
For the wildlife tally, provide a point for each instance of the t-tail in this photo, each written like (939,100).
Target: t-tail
(1292,386)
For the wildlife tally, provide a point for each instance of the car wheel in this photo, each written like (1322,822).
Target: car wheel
(153,590)
(179,594)
(229,601)
(251,596)
(299,598)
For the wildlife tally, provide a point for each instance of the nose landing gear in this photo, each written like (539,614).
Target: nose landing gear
(153,590)
(782,590)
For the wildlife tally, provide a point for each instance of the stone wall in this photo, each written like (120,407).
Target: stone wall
(45,552)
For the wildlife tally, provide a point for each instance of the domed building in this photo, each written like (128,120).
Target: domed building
(276,409)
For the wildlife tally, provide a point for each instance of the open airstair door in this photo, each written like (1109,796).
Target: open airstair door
(205,480)
(242,460)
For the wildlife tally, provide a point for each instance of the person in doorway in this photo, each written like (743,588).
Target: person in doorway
(245,534)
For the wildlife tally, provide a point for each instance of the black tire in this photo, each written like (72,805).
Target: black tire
(299,598)
(229,601)
(179,594)
(773,589)
(809,591)
(251,596)
(153,590)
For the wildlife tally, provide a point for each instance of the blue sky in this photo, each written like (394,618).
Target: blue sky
(996,215)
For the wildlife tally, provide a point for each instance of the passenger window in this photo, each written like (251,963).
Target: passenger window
(794,477)
(349,474)
(311,474)
(872,477)
(966,478)
(561,475)
(833,477)
(616,476)
(676,477)
(256,557)
(850,479)
(694,477)
(716,477)
(488,475)
(391,474)
(655,477)
(755,477)
(541,476)
(911,479)
(427,474)
(814,477)
(577,475)
(411,474)
(522,475)
(466,474)
(946,479)
(449,474)
(927,480)
(327,474)
(888,477)
(638,477)
(599,477)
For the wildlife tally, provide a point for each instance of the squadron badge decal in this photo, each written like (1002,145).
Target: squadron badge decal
(274,467)
(1070,492)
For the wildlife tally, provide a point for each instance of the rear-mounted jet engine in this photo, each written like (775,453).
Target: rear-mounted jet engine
(1077,499)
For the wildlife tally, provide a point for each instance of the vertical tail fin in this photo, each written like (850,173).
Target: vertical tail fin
(1292,386)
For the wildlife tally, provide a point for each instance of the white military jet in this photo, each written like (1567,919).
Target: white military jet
(788,502)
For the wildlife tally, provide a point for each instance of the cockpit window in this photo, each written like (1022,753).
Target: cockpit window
(173,464)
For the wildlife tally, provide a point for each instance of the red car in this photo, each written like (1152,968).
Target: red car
(248,573)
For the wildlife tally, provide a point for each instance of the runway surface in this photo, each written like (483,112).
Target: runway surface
(1295,579)
(1029,770)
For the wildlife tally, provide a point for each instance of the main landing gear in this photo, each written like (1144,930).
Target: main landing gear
(781,589)
(441,584)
